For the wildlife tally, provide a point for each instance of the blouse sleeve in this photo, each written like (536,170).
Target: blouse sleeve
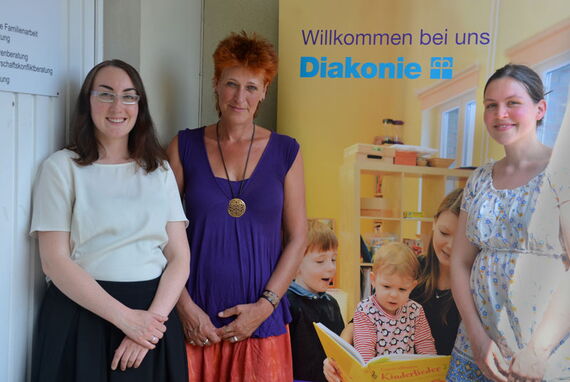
(470,189)
(288,150)
(292,151)
(53,196)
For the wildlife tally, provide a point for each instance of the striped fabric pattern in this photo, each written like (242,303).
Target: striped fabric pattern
(377,332)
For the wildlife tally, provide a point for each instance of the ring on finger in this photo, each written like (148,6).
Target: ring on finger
(234,339)
(206,342)
(154,339)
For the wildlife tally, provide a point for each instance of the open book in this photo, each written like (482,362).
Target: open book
(394,367)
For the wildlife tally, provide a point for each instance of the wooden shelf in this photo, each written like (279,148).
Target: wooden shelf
(424,220)
(374,167)
(427,220)
(406,188)
(380,218)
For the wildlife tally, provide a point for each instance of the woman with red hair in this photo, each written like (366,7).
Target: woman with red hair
(243,190)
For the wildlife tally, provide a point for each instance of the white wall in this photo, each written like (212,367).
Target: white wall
(122,31)
(171,43)
(31,128)
(163,40)
(29,131)
(171,40)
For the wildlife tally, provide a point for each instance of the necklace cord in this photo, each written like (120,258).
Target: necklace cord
(224,162)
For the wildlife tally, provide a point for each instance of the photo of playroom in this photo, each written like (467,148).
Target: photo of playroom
(396,106)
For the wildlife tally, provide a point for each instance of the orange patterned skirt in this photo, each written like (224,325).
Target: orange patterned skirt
(251,360)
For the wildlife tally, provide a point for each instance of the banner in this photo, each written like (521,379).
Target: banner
(347,66)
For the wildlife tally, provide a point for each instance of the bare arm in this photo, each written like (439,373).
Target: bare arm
(172,281)
(250,316)
(485,351)
(462,258)
(175,163)
(295,223)
(80,287)
(196,324)
(175,275)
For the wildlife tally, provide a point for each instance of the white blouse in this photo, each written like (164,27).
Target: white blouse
(116,214)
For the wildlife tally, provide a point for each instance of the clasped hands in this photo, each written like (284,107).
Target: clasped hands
(199,330)
(143,329)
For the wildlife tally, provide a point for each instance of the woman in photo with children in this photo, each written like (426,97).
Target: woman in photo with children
(434,287)
(244,195)
(508,282)
(433,291)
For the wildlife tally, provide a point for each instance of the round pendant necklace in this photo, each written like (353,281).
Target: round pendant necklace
(236,206)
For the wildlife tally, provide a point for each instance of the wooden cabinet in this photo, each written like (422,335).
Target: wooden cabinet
(404,188)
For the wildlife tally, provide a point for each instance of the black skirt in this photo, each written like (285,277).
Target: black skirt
(75,345)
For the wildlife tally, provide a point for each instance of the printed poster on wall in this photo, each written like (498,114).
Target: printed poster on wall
(346,67)
(413,71)
(31,46)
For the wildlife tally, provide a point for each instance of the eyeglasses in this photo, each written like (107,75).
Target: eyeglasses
(109,97)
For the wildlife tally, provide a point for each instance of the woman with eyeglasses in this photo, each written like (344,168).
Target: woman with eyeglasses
(112,243)
(245,198)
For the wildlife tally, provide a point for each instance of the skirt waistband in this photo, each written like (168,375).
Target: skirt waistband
(134,294)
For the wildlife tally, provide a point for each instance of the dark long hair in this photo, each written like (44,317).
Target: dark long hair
(143,145)
(430,271)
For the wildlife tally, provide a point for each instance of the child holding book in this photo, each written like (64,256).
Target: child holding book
(388,322)
(310,303)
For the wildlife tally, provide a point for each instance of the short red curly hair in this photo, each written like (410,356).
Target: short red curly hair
(253,52)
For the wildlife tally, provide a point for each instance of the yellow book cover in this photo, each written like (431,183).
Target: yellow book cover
(395,367)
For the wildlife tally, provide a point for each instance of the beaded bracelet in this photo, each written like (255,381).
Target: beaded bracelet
(272,297)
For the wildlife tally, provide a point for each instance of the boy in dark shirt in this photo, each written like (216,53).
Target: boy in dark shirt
(310,303)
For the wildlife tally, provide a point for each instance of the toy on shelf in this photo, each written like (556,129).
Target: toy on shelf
(391,132)
(375,240)
(412,214)
(415,245)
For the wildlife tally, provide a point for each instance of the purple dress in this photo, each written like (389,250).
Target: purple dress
(232,259)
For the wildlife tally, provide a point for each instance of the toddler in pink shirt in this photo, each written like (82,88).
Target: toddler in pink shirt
(388,322)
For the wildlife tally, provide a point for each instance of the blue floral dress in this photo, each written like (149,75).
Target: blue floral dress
(519,266)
